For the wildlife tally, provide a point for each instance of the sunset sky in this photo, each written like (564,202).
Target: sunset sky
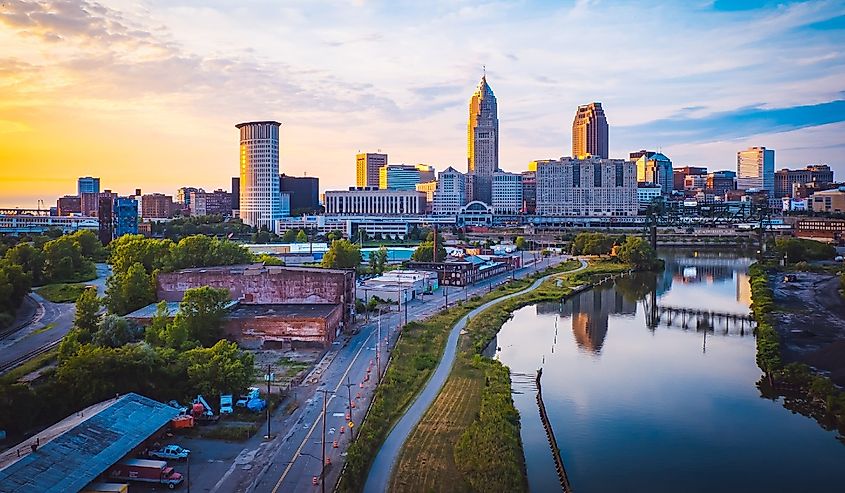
(145,94)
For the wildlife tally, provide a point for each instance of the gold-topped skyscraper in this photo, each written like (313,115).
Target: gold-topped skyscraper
(589,132)
(482,142)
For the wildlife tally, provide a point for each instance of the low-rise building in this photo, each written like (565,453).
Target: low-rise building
(69,205)
(829,200)
(647,193)
(506,193)
(819,228)
(157,206)
(218,202)
(396,285)
(372,201)
(591,187)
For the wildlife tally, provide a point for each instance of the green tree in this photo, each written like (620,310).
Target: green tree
(261,236)
(520,243)
(592,244)
(87,312)
(334,235)
(800,250)
(30,259)
(268,259)
(115,331)
(290,236)
(220,369)
(16,284)
(342,255)
(156,332)
(381,259)
(62,258)
(301,237)
(90,244)
(128,250)
(425,252)
(201,314)
(129,291)
(638,253)
(373,263)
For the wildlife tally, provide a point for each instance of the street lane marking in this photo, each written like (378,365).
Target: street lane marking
(308,436)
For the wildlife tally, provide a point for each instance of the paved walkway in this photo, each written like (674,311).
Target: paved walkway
(388,454)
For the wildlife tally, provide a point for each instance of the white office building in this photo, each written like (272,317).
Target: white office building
(755,168)
(591,187)
(260,200)
(507,193)
(373,201)
(451,192)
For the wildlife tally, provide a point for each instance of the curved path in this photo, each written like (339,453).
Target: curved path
(382,468)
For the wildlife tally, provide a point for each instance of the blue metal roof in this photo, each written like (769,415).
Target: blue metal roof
(73,459)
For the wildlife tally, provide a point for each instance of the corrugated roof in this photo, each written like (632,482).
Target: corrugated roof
(76,457)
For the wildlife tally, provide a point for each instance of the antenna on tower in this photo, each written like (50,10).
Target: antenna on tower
(484,71)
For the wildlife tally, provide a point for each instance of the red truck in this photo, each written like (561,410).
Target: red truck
(149,471)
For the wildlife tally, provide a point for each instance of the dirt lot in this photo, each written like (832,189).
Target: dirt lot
(811,321)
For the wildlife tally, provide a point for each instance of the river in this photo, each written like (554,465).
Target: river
(661,409)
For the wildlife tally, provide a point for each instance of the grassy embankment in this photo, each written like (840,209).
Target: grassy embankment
(414,358)
(469,438)
(818,394)
(62,292)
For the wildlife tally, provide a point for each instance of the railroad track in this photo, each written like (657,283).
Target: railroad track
(5,367)
(36,316)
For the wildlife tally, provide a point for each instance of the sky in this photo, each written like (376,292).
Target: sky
(145,94)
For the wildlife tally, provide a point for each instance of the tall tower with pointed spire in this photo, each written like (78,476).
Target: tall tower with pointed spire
(482,142)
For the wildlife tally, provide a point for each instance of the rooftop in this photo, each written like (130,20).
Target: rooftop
(291,310)
(259,268)
(73,452)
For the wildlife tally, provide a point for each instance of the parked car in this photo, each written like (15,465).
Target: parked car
(226,404)
(171,452)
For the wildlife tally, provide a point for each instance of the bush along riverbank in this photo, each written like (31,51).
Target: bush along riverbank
(803,390)
(469,439)
(414,357)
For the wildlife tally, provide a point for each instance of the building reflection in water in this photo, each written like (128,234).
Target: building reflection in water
(589,312)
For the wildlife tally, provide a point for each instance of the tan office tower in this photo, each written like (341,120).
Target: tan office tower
(367,165)
(589,132)
(482,142)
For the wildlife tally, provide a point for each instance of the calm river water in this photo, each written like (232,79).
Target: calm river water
(662,409)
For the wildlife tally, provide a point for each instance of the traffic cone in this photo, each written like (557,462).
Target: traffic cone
(328,461)
(342,430)
(362,385)
(334,444)
(353,404)
(348,417)
(315,481)
(358,395)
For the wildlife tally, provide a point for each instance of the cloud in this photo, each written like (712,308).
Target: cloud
(742,122)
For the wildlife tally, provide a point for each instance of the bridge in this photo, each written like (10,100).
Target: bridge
(716,322)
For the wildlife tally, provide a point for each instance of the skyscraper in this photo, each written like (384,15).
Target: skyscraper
(654,167)
(87,184)
(367,165)
(589,132)
(482,141)
(260,201)
(755,168)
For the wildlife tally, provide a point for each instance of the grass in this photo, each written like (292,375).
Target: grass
(416,354)
(43,329)
(468,440)
(62,292)
(30,366)
(230,433)
(292,366)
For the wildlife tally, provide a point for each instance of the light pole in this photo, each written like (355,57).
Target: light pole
(378,348)
(349,392)
(269,377)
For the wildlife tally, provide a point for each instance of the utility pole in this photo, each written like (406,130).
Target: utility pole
(446,293)
(323,445)
(378,350)
(269,378)
(349,391)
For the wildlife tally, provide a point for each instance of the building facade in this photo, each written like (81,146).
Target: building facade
(367,165)
(679,175)
(654,167)
(451,194)
(829,200)
(183,196)
(482,141)
(156,206)
(404,176)
(590,132)
(429,189)
(125,216)
(721,182)
(87,184)
(236,196)
(755,168)
(506,193)
(260,200)
(817,174)
(69,204)
(357,201)
(587,187)
(216,203)
(304,192)
(529,191)
(647,193)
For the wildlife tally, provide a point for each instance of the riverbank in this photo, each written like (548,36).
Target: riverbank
(804,390)
(413,360)
(469,439)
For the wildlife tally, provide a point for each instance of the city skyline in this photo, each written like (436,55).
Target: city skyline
(157,76)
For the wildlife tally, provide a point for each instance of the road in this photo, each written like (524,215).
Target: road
(382,467)
(291,460)
(49,326)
